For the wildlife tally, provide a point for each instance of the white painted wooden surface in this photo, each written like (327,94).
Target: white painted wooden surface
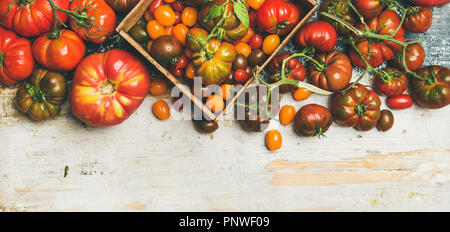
(148,165)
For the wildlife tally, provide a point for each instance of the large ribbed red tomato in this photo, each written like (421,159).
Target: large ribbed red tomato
(16,61)
(277,16)
(108,87)
(377,51)
(59,51)
(30,17)
(99,25)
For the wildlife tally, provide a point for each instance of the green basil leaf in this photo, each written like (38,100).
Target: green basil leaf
(215,11)
(242,13)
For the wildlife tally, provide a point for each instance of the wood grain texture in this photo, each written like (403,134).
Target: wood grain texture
(149,165)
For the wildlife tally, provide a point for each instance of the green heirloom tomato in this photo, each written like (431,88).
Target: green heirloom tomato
(434,93)
(358,107)
(213,64)
(139,31)
(41,97)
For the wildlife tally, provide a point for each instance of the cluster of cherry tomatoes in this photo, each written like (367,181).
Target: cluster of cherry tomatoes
(167,25)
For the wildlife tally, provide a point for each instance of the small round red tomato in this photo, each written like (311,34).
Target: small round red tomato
(414,57)
(154,5)
(312,120)
(101,94)
(399,102)
(240,76)
(59,51)
(274,140)
(16,59)
(369,8)
(418,19)
(100,23)
(177,6)
(318,34)
(277,16)
(256,42)
(394,85)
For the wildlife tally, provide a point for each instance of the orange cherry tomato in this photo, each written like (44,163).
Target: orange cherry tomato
(226,91)
(155,29)
(158,87)
(287,114)
(189,16)
(169,1)
(215,103)
(190,71)
(243,49)
(165,15)
(255,4)
(273,140)
(301,94)
(180,31)
(270,44)
(161,110)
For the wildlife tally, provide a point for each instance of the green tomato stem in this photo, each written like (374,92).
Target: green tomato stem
(1,59)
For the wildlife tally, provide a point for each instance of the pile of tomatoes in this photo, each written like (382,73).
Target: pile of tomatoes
(106,87)
(403,81)
(245,33)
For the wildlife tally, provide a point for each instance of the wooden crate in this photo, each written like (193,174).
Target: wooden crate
(138,12)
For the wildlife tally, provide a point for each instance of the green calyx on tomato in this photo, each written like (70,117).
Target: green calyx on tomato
(23,3)
(35,93)
(341,9)
(360,110)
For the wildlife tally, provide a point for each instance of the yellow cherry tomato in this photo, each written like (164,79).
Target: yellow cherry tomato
(287,114)
(270,44)
(189,16)
(165,15)
(301,94)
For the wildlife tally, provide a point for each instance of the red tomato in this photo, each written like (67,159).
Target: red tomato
(277,16)
(108,87)
(16,61)
(177,6)
(100,24)
(395,86)
(369,8)
(256,42)
(240,76)
(430,2)
(400,102)
(318,34)
(60,52)
(385,24)
(419,19)
(154,5)
(30,18)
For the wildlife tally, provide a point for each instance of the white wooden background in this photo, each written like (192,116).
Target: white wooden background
(148,165)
